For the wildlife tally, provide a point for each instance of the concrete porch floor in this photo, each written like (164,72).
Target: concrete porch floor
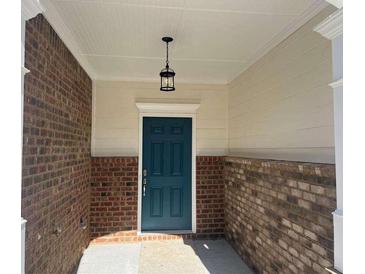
(163,257)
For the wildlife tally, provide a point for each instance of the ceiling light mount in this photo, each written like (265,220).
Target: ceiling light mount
(167,74)
(167,39)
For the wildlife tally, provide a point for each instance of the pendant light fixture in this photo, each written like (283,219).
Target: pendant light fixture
(167,74)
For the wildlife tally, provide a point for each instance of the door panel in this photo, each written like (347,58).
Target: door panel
(157,158)
(156,202)
(176,159)
(166,198)
(176,202)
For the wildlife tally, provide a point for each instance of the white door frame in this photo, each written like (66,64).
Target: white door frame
(167,110)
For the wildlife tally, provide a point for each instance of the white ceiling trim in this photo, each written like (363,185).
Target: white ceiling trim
(336,3)
(157,80)
(178,8)
(308,14)
(163,58)
(331,27)
(56,21)
(31,8)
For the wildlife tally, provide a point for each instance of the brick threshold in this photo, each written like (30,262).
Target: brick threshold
(134,236)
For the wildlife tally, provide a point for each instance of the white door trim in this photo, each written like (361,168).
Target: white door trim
(167,110)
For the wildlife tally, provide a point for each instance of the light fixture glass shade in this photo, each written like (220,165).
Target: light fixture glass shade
(167,79)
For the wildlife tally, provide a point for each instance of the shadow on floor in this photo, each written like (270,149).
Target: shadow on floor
(218,256)
(163,257)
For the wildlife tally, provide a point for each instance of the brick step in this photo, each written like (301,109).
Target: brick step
(132,236)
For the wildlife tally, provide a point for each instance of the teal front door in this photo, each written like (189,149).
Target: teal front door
(166,175)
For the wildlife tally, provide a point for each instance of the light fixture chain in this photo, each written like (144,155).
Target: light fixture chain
(167,54)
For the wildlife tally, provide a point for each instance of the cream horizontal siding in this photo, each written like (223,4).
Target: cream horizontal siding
(115,115)
(281,107)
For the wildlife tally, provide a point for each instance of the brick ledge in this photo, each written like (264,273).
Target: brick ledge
(132,236)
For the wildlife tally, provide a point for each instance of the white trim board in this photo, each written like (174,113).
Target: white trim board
(167,107)
(336,84)
(167,110)
(93,118)
(336,3)
(331,27)
(309,154)
(30,9)
(157,80)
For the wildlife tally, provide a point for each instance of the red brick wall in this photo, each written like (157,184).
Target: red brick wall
(278,214)
(56,151)
(114,195)
(210,196)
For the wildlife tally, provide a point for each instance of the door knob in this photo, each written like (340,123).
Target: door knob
(145,172)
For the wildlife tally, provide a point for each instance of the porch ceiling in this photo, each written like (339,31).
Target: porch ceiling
(215,40)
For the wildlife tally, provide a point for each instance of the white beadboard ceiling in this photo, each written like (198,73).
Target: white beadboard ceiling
(214,40)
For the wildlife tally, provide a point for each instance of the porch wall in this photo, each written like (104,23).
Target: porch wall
(56,152)
(114,198)
(282,106)
(115,115)
(275,213)
(278,214)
